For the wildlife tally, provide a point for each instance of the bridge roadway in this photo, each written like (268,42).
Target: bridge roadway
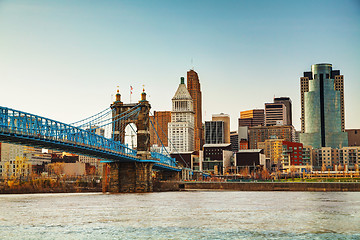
(31,130)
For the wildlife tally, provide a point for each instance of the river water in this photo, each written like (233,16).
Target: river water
(181,215)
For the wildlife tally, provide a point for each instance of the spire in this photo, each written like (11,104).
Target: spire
(118,96)
(182,80)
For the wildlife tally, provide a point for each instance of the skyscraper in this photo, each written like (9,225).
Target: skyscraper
(214,132)
(226,119)
(252,118)
(275,114)
(322,107)
(193,86)
(181,127)
(287,102)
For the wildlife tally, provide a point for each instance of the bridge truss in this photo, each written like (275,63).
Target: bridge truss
(80,137)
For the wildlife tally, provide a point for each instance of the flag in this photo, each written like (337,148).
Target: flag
(131,88)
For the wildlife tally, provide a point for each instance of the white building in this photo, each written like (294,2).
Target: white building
(181,127)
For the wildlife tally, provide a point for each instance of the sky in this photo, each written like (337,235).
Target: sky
(64,59)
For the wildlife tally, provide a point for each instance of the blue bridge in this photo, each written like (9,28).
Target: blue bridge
(130,169)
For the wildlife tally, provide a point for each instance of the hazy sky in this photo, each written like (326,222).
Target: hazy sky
(64,59)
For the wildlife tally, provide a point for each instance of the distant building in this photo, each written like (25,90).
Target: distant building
(97,130)
(193,86)
(273,150)
(252,118)
(183,158)
(214,132)
(353,137)
(322,108)
(226,119)
(251,159)
(217,158)
(288,104)
(243,133)
(234,140)
(275,114)
(243,144)
(181,127)
(17,160)
(159,128)
(337,159)
(261,133)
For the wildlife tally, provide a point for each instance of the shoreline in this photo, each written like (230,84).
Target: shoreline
(274,186)
(168,186)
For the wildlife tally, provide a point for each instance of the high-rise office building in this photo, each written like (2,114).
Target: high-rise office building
(275,114)
(193,86)
(214,132)
(234,139)
(252,118)
(226,119)
(288,104)
(322,107)
(160,121)
(181,127)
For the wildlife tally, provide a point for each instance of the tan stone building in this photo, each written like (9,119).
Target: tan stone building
(226,119)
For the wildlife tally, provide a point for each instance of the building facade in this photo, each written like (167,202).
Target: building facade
(181,127)
(252,118)
(275,114)
(272,150)
(217,158)
(193,86)
(337,159)
(226,119)
(159,128)
(353,137)
(322,108)
(234,140)
(18,160)
(214,132)
(288,104)
(261,133)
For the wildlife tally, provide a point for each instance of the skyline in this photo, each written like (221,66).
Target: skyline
(87,49)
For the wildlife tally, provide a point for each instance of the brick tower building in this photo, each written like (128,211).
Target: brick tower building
(193,86)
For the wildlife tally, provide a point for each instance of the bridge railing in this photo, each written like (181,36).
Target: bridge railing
(30,125)
(164,159)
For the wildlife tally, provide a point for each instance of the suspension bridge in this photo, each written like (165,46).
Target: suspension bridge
(100,136)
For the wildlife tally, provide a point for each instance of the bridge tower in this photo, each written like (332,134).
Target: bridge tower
(131,176)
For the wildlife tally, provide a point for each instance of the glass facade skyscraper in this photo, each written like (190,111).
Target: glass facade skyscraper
(322,108)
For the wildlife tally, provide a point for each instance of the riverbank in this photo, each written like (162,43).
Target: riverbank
(273,186)
(48,186)
(167,186)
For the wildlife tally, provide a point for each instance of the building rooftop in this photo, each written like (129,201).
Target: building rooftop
(217,145)
(249,150)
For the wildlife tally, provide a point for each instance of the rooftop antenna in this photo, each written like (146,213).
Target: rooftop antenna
(192,64)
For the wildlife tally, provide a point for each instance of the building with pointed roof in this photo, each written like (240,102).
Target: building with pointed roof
(193,85)
(181,127)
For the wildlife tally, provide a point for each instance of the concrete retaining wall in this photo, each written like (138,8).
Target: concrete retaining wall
(274,186)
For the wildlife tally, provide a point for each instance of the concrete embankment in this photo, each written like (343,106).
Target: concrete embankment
(272,186)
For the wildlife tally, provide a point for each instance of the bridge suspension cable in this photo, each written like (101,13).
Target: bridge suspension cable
(186,164)
(94,116)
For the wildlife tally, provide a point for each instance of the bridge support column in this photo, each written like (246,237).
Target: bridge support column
(168,176)
(130,177)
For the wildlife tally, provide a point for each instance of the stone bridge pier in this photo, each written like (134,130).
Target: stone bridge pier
(131,177)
